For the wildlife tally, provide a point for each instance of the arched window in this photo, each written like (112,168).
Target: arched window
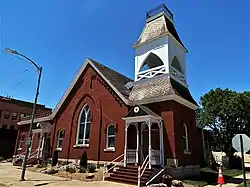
(111,136)
(60,136)
(151,61)
(176,64)
(84,123)
(185,137)
(20,142)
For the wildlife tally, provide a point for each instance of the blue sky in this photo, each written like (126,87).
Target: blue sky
(60,34)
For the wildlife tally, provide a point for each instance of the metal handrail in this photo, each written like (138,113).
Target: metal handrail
(105,165)
(143,170)
(117,158)
(33,154)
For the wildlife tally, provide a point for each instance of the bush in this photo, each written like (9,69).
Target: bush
(82,170)
(55,158)
(52,171)
(72,170)
(84,160)
(2,158)
(235,162)
(42,164)
(91,168)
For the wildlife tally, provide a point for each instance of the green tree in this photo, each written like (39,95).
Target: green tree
(225,113)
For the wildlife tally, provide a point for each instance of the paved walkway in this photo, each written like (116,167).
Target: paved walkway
(9,176)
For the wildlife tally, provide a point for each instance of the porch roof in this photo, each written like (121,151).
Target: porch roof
(141,113)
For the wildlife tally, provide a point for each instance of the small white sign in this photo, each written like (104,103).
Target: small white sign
(245,140)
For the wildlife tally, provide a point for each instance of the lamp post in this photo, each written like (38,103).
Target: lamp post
(28,141)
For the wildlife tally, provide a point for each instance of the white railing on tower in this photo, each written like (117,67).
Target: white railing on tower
(178,74)
(151,72)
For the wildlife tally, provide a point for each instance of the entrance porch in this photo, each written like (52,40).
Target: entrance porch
(143,138)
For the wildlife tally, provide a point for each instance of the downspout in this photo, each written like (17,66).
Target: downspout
(100,134)
(53,139)
(70,134)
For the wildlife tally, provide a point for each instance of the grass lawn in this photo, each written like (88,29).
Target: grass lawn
(210,176)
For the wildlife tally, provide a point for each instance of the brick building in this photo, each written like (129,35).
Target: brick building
(150,119)
(12,111)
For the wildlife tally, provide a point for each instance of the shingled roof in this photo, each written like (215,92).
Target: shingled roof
(148,90)
(156,28)
(116,79)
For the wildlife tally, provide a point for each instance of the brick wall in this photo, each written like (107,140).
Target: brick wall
(105,108)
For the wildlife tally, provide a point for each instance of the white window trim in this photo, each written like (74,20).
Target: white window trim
(78,127)
(185,136)
(107,139)
(59,139)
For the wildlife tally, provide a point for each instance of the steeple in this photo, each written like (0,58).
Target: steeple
(159,49)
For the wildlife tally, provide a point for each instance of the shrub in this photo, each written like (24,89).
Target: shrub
(72,170)
(2,158)
(67,169)
(82,170)
(43,164)
(91,168)
(84,160)
(52,171)
(55,158)
(235,162)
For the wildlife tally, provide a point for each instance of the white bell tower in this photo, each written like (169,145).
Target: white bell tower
(159,50)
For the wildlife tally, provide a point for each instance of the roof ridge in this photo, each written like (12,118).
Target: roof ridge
(100,64)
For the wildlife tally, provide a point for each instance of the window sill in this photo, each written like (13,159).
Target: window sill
(109,149)
(187,152)
(59,149)
(19,149)
(81,146)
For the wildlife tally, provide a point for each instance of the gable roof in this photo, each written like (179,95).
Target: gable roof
(114,79)
(142,111)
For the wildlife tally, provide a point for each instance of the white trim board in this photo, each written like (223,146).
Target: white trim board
(78,75)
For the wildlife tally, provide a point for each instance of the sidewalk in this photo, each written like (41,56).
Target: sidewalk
(9,176)
(234,181)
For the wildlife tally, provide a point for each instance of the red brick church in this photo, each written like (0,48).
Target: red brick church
(150,119)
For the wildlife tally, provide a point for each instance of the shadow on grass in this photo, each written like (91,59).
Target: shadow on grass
(210,177)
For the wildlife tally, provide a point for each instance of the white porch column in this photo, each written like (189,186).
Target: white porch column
(125,147)
(141,149)
(137,143)
(39,145)
(149,144)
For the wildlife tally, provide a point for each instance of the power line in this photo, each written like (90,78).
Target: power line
(17,85)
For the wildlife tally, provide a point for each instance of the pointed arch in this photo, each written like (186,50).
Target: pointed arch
(84,123)
(176,64)
(151,61)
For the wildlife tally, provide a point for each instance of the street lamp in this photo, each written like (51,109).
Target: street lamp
(28,142)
